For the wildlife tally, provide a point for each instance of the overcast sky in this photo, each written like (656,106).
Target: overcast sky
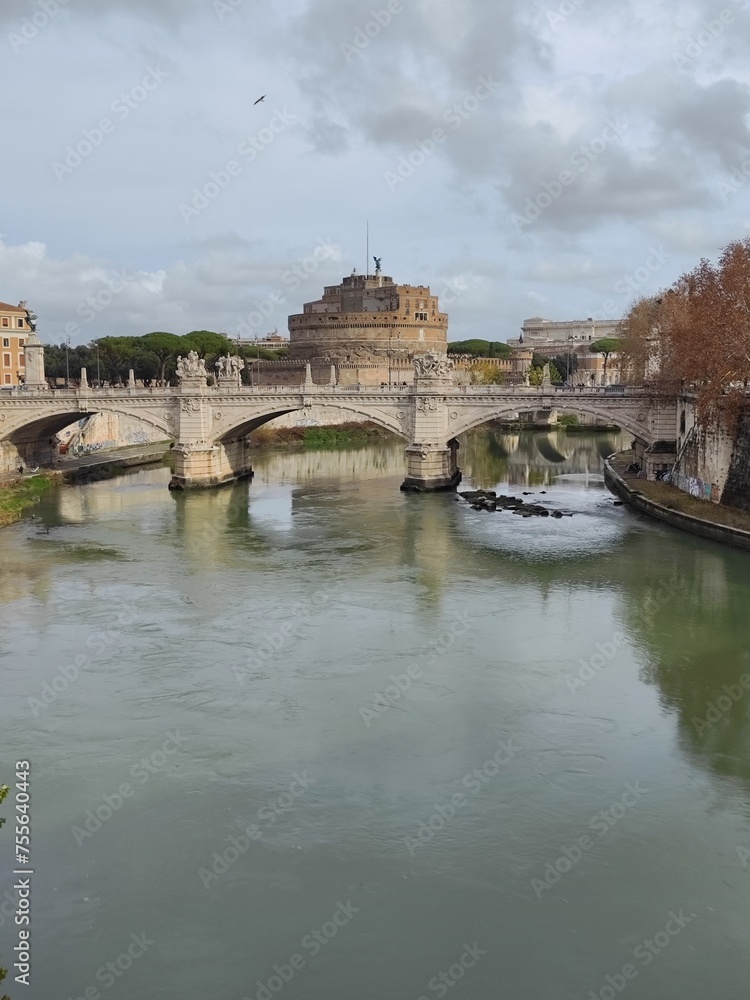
(522,159)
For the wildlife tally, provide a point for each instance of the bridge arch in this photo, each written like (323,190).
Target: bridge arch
(627,421)
(27,432)
(228,430)
(26,429)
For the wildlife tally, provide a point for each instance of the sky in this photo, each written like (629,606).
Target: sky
(522,159)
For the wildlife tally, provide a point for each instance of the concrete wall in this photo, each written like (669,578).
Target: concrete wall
(737,486)
(106,431)
(676,519)
(707,455)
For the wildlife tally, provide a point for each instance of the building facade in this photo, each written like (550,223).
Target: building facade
(539,332)
(16,323)
(574,337)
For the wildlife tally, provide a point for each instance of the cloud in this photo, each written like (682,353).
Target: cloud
(363,92)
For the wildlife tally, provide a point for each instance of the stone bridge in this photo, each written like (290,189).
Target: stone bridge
(209,424)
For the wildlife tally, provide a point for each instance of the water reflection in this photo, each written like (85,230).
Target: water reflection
(533,458)
(210,575)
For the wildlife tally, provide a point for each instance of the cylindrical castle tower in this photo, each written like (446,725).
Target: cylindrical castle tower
(368,318)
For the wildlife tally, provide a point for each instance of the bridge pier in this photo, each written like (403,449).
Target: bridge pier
(204,465)
(431,462)
(431,468)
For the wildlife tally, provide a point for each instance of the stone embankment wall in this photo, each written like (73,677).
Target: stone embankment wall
(676,519)
(105,432)
(737,488)
(705,456)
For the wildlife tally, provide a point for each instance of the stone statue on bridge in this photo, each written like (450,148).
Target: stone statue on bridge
(229,368)
(191,367)
(433,365)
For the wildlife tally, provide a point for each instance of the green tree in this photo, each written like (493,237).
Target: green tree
(563,363)
(208,345)
(606,346)
(165,346)
(117,356)
(480,348)
(486,374)
(536,374)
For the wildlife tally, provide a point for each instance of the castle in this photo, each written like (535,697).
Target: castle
(367,328)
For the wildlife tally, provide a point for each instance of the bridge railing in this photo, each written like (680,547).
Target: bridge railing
(477,391)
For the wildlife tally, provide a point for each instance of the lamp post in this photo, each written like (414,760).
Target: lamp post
(67,362)
(570,373)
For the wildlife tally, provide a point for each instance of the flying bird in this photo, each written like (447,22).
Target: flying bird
(260,99)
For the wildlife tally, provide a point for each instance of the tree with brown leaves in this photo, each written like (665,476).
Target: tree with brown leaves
(696,336)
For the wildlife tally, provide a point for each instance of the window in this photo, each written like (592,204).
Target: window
(5,323)
(19,323)
(21,343)
(6,342)
(421,316)
(22,361)
(7,380)
(6,360)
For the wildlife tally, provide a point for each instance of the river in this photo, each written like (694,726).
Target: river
(311,737)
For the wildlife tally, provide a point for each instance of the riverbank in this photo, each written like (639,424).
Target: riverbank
(668,504)
(514,426)
(348,435)
(91,468)
(18,495)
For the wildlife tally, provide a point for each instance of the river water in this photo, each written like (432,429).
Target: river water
(314,738)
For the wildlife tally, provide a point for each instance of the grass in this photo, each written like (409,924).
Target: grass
(349,435)
(17,496)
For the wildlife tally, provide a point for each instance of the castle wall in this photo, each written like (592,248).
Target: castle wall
(368,319)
